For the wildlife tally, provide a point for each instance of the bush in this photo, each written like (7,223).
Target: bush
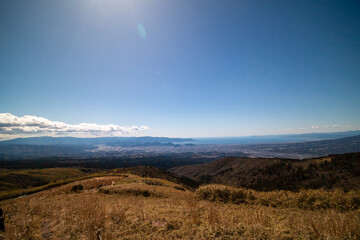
(130,191)
(222,194)
(77,188)
(179,188)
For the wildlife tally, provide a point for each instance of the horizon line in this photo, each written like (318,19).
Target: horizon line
(266,135)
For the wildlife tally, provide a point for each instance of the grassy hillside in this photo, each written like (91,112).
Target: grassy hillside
(154,172)
(19,179)
(127,206)
(150,203)
(334,171)
(15,183)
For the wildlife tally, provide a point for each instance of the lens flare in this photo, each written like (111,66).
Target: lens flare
(141,30)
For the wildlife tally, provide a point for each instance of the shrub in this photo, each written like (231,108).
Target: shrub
(179,188)
(130,191)
(222,194)
(77,188)
(154,183)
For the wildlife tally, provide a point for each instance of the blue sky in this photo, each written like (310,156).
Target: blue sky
(184,68)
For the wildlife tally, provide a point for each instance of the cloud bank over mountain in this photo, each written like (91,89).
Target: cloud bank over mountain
(29,125)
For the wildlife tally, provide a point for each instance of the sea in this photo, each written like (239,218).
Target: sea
(284,138)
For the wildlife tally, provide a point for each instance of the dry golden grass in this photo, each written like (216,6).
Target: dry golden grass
(61,176)
(176,214)
(304,199)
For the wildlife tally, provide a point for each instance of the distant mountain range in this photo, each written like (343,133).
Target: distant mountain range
(151,141)
(168,151)
(111,141)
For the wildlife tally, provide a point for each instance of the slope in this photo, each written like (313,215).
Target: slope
(334,171)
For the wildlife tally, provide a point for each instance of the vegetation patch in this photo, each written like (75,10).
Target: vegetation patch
(303,199)
(179,188)
(154,183)
(77,188)
(131,191)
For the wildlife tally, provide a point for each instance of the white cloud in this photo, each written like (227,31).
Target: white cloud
(315,127)
(331,126)
(33,125)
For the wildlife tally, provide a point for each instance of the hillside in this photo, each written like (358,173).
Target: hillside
(15,183)
(126,206)
(334,171)
(20,179)
(154,172)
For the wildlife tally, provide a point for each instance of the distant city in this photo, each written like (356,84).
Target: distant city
(169,152)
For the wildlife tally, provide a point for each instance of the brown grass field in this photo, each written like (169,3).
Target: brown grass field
(15,183)
(132,207)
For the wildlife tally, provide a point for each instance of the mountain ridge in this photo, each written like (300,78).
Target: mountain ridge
(92,141)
